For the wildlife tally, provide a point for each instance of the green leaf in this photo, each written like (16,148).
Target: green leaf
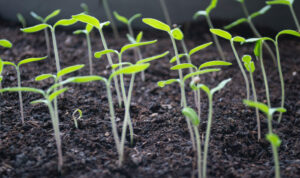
(35,28)
(9,63)
(65,22)
(191,114)
(99,54)
(212,5)
(129,46)
(221,33)
(241,1)
(139,37)
(199,73)
(120,18)
(87,19)
(50,16)
(175,58)
(43,77)
(68,70)
(287,32)
(261,106)
(200,47)
(239,39)
(130,70)
(85,8)
(1,66)
(177,34)
(89,28)
(273,139)
(248,63)
(114,66)
(167,82)
(273,110)
(260,12)
(56,94)
(37,17)
(214,63)
(77,32)
(280,2)
(146,60)
(25,89)
(257,48)
(21,19)
(204,88)
(220,86)
(157,24)
(199,13)
(25,61)
(131,19)
(104,24)
(85,79)
(183,66)
(5,43)
(39,101)
(130,38)
(235,23)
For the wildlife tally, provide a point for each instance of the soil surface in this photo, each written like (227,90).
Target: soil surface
(162,145)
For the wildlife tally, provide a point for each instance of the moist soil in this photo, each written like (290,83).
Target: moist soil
(162,146)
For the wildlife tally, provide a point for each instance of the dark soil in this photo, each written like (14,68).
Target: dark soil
(162,147)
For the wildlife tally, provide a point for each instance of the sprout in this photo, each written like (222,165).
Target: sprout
(87,31)
(21,19)
(228,36)
(45,20)
(249,65)
(85,8)
(210,93)
(248,18)
(206,13)
(288,3)
(271,137)
(17,67)
(109,17)
(165,11)
(75,119)
(99,26)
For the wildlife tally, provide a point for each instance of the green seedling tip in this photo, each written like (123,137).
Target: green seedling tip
(200,47)
(214,63)
(149,59)
(221,33)
(5,43)
(183,66)
(75,119)
(280,2)
(263,108)
(212,5)
(25,61)
(35,28)
(21,19)
(120,18)
(65,22)
(177,34)
(104,52)
(235,23)
(139,37)
(273,139)
(68,70)
(248,63)
(175,58)
(87,19)
(50,16)
(167,82)
(192,115)
(157,24)
(199,13)
(44,77)
(57,93)
(129,70)
(129,46)
(85,8)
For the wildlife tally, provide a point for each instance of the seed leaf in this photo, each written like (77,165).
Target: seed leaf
(260,12)
(21,19)
(130,70)
(177,34)
(166,82)
(57,93)
(43,77)
(85,8)
(39,101)
(220,86)
(238,39)
(139,37)
(35,28)
(65,22)
(114,66)
(191,114)
(157,24)
(261,106)
(129,46)
(77,32)
(89,28)
(212,5)
(273,110)
(99,54)
(146,60)
(87,19)
(248,63)
(120,18)
(5,43)
(131,19)
(235,23)
(288,32)
(68,70)
(174,58)
(9,63)
(257,48)
(199,73)
(85,79)
(198,48)
(221,33)
(281,2)
(37,17)
(183,66)
(25,89)
(204,88)
(273,139)
(50,16)
(214,63)
(25,61)
(199,13)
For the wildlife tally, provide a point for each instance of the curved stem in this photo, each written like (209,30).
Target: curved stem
(265,77)
(198,151)
(256,109)
(20,95)
(89,53)
(281,80)
(242,69)
(295,17)
(109,16)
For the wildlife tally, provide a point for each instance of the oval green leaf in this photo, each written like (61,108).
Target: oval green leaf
(261,106)
(130,70)
(44,77)
(56,94)
(273,139)
(167,82)
(175,58)
(280,2)
(199,73)
(177,34)
(198,48)
(24,89)
(214,63)
(5,43)
(87,19)
(25,61)
(183,66)
(157,24)
(99,54)
(129,46)
(65,22)
(220,86)
(120,18)
(221,33)
(85,79)
(152,58)
(50,16)
(35,28)
(68,70)
(191,114)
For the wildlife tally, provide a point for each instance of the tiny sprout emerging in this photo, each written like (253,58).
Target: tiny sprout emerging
(77,112)
(21,19)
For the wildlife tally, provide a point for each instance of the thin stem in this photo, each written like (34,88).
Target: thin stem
(56,53)
(198,151)
(116,82)
(295,17)
(165,11)
(20,95)
(281,79)
(109,16)
(241,68)
(219,48)
(89,52)
(208,127)
(256,109)
(199,104)
(276,161)
(270,124)
(47,42)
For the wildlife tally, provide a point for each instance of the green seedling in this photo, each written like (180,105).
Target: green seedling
(192,115)
(87,32)
(99,26)
(210,93)
(45,20)
(287,3)
(5,43)
(248,19)
(43,26)
(206,13)
(165,11)
(249,65)
(77,115)
(85,8)
(271,137)
(109,17)
(17,67)
(48,96)
(226,35)
(21,19)
(128,22)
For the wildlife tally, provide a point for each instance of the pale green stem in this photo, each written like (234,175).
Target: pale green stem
(270,124)
(208,127)
(116,82)
(57,63)
(276,161)
(295,17)
(109,16)
(242,69)
(165,11)
(281,79)
(20,95)
(47,42)
(198,151)
(265,77)
(89,52)
(219,48)
(256,109)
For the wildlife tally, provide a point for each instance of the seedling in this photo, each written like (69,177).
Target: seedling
(85,8)
(99,26)
(21,19)
(248,18)
(45,20)
(271,137)
(206,13)
(249,65)
(288,3)
(192,115)
(48,96)
(77,114)
(165,11)
(110,19)
(226,35)
(210,93)
(17,67)
(6,44)
(87,31)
